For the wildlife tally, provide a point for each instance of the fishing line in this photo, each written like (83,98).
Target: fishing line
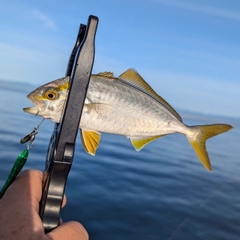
(37,115)
(21,159)
(200,205)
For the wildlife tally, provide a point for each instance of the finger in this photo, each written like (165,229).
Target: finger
(32,191)
(64,202)
(69,231)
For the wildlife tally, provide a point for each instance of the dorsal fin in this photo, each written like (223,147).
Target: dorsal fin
(106,74)
(134,79)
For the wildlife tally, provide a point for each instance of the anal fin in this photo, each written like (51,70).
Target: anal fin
(90,140)
(139,143)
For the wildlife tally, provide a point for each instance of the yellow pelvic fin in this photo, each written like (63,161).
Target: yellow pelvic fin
(198,140)
(90,140)
(134,78)
(139,143)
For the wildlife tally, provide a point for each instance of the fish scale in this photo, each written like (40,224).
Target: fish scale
(135,117)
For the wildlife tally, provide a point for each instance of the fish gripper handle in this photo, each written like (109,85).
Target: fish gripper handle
(62,143)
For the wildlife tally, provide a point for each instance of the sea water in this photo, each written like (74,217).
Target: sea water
(161,192)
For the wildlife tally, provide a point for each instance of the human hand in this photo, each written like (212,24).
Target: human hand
(19,207)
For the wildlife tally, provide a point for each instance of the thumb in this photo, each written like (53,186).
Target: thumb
(69,231)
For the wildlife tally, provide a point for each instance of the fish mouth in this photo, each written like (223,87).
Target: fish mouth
(31,110)
(35,109)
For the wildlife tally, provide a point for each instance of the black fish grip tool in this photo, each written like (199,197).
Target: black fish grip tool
(62,143)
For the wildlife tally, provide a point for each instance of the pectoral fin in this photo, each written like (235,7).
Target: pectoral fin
(90,140)
(139,143)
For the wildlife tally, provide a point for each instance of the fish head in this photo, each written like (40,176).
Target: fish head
(49,100)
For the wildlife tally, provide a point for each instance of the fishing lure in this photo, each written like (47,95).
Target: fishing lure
(30,137)
(21,159)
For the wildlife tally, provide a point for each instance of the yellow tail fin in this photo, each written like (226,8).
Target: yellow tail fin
(198,137)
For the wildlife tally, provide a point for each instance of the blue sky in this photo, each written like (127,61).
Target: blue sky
(187,50)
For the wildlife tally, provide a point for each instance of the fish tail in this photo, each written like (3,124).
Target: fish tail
(197,137)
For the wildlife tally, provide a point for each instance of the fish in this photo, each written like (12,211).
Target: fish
(125,105)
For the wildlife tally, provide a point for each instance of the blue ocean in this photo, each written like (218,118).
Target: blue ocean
(161,192)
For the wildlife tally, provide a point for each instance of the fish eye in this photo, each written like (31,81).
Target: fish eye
(51,94)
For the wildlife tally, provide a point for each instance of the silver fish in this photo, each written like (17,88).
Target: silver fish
(126,105)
